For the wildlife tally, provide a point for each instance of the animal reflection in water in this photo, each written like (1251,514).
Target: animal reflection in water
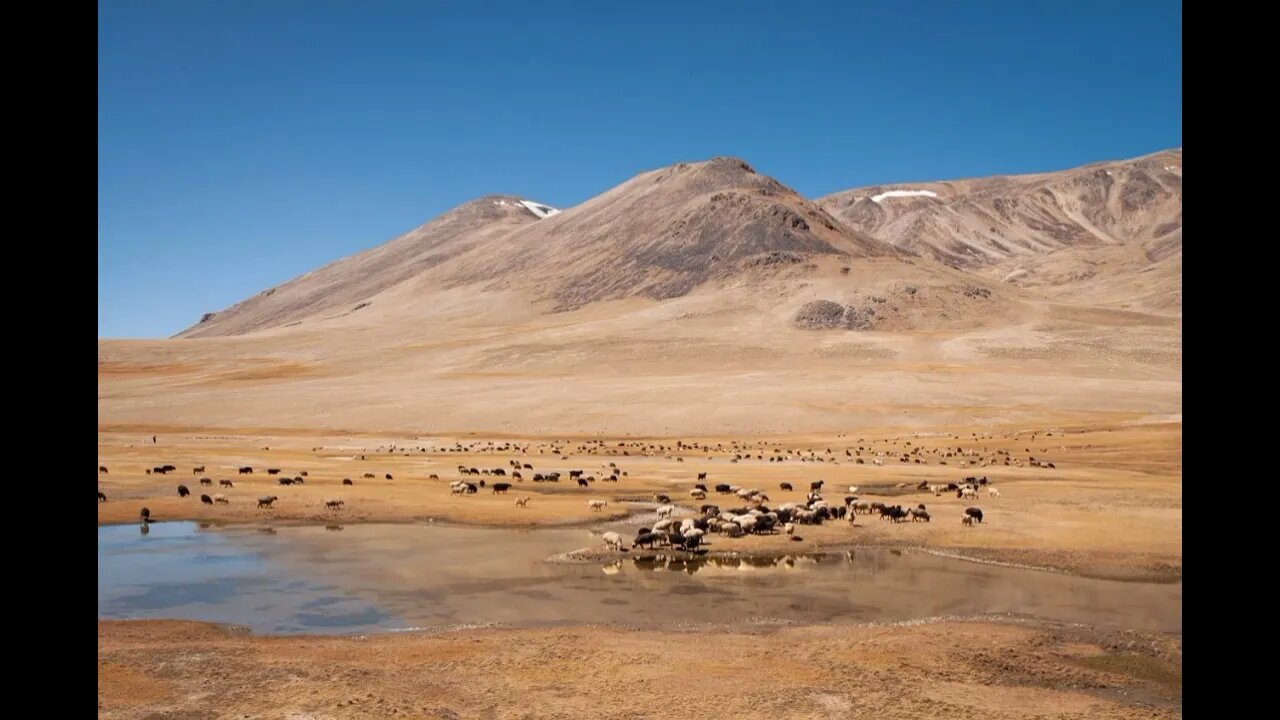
(691,564)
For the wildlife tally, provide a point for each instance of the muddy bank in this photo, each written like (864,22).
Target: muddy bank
(949,669)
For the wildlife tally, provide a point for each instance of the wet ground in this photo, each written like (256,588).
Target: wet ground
(373,577)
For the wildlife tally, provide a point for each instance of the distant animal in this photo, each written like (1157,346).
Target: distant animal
(789,529)
(816,485)
(702,476)
(273,471)
(145,515)
(917,515)
(596,505)
(266,500)
(246,470)
(226,483)
(785,486)
(206,499)
(522,502)
(297,480)
(665,511)
(369,476)
(183,491)
(992,492)
(973,512)
(102,497)
(966,520)
(501,487)
(582,483)
(389,476)
(221,499)
(347,481)
(333,504)
(724,488)
(472,489)
(206,481)
(662,498)
(102,469)
(697,494)
(285,481)
(197,470)
(613,541)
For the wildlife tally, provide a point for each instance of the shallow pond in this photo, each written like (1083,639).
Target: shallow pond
(368,577)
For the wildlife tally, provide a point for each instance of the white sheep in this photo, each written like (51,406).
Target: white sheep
(992,491)
(597,505)
(853,489)
(666,510)
(790,529)
(662,525)
(697,494)
(613,541)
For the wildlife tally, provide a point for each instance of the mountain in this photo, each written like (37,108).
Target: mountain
(1093,229)
(701,298)
(658,236)
(340,286)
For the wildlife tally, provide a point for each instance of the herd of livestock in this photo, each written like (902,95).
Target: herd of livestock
(752,512)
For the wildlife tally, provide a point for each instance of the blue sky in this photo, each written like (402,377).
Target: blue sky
(243,143)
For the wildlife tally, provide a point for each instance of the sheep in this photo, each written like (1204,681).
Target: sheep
(225,483)
(102,470)
(333,504)
(206,481)
(501,488)
(966,492)
(992,492)
(266,500)
(974,512)
(918,515)
(102,497)
(697,494)
(784,486)
(145,515)
(206,499)
(666,510)
(522,502)
(597,505)
(853,489)
(662,525)
(967,520)
(789,529)
(661,498)
(221,499)
(613,541)
(197,470)
(183,491)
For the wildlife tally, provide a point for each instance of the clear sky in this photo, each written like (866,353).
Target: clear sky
(243,143)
